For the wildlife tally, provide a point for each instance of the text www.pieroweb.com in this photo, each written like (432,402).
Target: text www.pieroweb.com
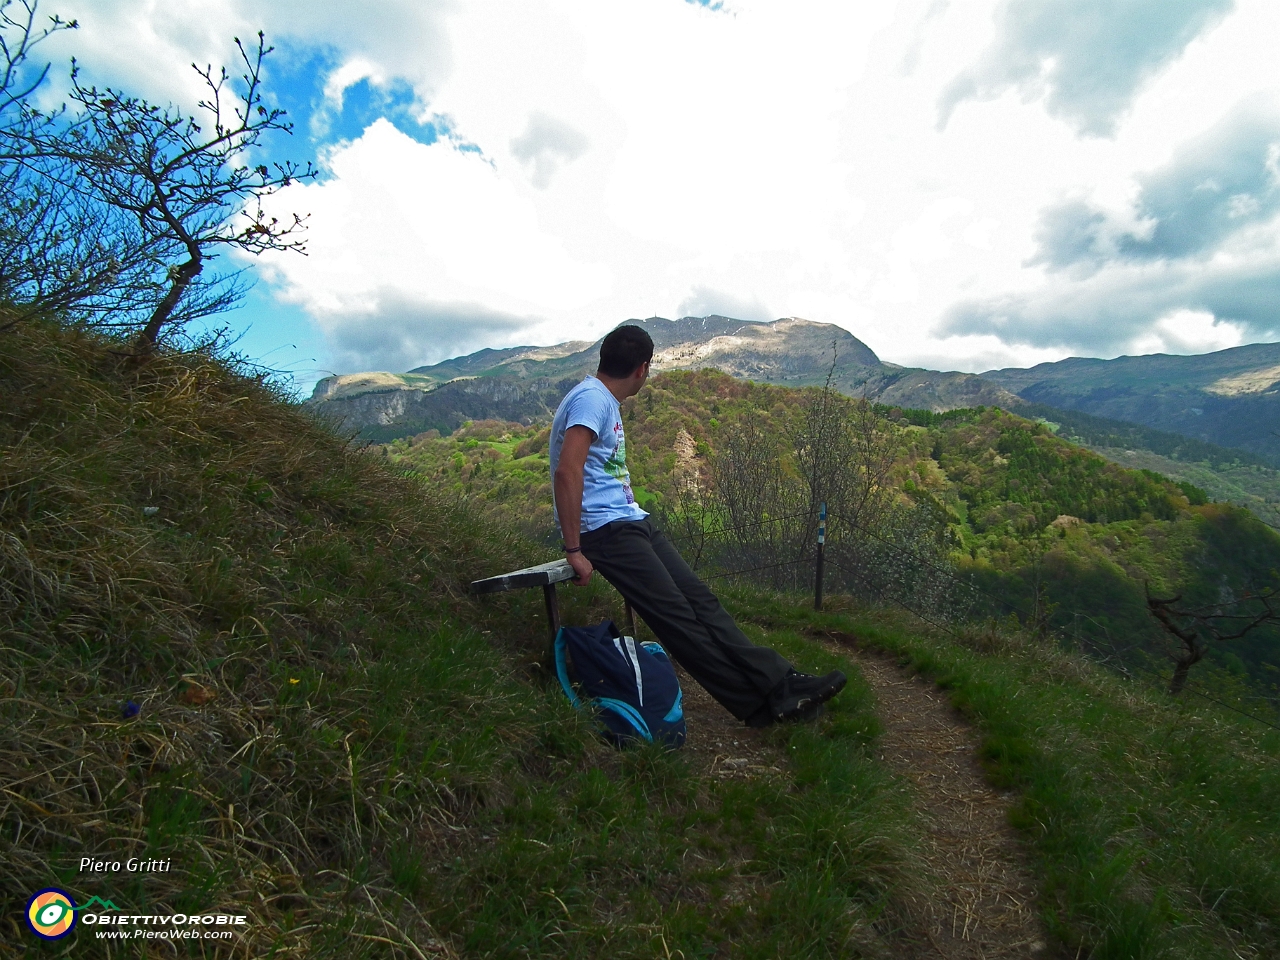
(173,927)
(174,934)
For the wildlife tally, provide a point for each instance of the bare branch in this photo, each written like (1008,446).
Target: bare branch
(1199,627)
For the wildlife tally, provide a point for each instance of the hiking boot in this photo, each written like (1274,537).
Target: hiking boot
(800,696)
(761,718)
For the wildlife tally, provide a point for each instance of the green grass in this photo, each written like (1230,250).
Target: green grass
(1154,824)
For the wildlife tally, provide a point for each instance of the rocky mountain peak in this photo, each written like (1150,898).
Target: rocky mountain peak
(518,383)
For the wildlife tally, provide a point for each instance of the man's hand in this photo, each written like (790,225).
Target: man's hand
(581,566)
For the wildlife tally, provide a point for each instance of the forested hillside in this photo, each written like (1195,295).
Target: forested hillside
(1224,473)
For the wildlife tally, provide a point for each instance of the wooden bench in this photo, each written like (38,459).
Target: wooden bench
(546,576)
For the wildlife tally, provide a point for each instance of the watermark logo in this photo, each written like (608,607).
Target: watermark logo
(51,913)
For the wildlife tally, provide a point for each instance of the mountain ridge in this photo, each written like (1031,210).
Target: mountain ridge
(1229,398)
(790,351)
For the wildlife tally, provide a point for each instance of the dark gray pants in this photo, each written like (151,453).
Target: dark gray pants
(684,614)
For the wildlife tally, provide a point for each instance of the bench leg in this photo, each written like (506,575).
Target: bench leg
(553,621)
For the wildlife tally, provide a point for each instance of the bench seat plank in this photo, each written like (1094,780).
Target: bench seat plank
(542,575)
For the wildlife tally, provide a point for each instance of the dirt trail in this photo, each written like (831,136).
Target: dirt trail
(720,745)
(984,907)
(984,902)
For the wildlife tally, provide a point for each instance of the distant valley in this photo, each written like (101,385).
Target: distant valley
(1229,398)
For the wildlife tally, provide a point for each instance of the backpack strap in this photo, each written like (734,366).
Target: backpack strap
(634,660)
(676,713)
(562,670)
(628,713)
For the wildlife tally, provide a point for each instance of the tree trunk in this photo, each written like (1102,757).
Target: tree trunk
(1182,666)
(182,278)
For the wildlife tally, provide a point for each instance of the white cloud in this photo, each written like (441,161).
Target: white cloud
(651,156)
(347,76)
(433,222)
(148,46)
(704,301)
(389,331)
(983,353)
(545,146)
(1084,58)
(1173,307)
(732,123)
(917,244)
(1187,332)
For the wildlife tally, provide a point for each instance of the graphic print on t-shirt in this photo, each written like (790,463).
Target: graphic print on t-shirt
(616,465)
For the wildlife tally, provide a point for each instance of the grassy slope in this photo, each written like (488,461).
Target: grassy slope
(332,738)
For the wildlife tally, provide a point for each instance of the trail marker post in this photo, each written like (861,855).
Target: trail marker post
(822,540)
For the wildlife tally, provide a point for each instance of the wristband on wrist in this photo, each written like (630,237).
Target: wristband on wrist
(572,549)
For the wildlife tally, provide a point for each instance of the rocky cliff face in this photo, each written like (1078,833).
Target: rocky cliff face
(388,414)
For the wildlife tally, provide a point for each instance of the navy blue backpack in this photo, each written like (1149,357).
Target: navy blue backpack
(631,685)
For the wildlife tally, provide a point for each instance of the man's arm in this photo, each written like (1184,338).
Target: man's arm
(567,489)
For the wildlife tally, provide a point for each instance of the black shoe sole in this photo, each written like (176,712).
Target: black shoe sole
(810,706)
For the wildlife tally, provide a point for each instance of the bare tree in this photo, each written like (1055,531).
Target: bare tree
(59,251)
(183,185)
(846,453)
(56,248)
(1197,628)
(19,35)
(748,474)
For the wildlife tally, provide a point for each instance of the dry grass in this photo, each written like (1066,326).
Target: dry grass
(175,537)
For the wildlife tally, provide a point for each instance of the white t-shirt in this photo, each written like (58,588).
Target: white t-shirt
(606,482)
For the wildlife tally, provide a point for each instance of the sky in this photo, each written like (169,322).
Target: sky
(961,184)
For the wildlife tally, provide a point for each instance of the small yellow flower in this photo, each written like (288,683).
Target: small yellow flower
(294,680)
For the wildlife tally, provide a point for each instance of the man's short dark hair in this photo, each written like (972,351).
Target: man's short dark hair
(624,349)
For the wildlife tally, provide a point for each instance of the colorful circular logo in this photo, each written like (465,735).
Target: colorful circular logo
(51,913)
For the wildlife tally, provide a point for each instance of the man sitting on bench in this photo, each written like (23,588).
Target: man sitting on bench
(604,529)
